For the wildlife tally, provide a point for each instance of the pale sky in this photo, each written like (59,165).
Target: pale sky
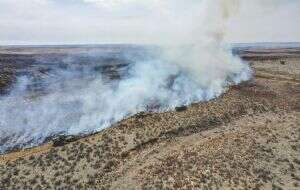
(137,21)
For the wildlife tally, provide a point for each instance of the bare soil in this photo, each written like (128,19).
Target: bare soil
(249,138)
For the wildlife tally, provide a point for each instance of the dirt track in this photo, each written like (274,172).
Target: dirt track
(247,139)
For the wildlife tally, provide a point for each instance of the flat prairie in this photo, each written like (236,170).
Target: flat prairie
(249,138)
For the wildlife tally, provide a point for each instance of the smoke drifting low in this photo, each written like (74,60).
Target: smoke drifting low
(198,67)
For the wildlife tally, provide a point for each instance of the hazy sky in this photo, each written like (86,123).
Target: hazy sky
(137,21)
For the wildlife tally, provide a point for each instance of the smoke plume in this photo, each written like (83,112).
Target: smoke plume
(198,67)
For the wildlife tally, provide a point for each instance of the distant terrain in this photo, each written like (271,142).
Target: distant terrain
(249,138)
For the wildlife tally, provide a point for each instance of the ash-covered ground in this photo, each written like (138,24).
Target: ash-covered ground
(47,78)
(78,90)
(43,64)
(248,138)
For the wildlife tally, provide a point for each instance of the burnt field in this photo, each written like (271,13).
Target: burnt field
(42,63)
(35,73)
(78,90)
(248,138)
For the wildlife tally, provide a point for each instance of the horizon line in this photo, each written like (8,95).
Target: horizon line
(133,44)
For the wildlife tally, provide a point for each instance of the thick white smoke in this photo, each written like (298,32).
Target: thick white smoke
(199,67)
(207,60)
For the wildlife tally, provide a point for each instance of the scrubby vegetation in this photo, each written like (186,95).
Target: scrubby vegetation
(246,139)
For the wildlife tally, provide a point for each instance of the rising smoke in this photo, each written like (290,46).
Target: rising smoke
(199,67)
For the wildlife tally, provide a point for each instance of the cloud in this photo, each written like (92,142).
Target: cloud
(269,20)
(137,21)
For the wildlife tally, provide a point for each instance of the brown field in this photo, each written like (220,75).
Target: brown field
(249,138)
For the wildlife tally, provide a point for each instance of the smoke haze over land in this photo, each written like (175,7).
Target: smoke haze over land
(149,94)
(77,99)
